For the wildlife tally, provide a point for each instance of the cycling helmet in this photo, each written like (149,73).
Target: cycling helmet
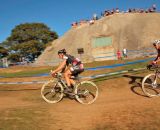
(62,51)
(156,42)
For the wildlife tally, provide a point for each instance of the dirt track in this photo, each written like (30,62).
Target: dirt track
(121,105)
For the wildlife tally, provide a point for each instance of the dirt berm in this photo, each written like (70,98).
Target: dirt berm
(133,31)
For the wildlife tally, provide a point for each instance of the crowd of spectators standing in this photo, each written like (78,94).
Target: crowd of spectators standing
(152,9)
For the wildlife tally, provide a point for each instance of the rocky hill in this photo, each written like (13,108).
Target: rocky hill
(101,40)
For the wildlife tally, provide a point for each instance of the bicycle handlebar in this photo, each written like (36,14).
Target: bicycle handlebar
(153,67)
(57,75)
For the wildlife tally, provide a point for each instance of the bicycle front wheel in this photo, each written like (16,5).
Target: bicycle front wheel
(52,91)
(86,92)
(151,85)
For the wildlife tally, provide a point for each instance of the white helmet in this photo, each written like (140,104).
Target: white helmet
(156,42)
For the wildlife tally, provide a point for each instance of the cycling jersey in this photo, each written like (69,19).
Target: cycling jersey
(77,66)
(71,60)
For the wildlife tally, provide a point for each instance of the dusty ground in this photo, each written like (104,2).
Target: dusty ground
(121,105)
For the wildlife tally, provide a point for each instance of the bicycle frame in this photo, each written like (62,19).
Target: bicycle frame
(150,83)
(53,90)
(157,74)
(60,80)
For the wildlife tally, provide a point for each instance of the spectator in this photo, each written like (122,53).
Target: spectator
(119,55)
(102,14)
(134,10)
(91,22)
(141,11)
(154,7)
(74,24)
(95,17)
(129,10)
(110,12)
(117,10)
(125,53)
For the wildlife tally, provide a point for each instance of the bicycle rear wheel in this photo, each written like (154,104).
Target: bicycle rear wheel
(52,91)
(86,92)
(151,85)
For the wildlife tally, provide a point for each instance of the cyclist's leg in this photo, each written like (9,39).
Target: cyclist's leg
(72,71)
(72,82)
(75,73)
(67,76)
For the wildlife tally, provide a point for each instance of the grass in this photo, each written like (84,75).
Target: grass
(32,71)
(111,62)
(24,73)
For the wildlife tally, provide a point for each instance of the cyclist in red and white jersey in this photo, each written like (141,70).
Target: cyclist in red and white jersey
(156,44)
(70,65)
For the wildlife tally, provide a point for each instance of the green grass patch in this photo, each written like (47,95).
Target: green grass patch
(33,71)
(111,62)
(26,73)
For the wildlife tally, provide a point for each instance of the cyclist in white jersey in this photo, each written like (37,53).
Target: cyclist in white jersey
(156,44)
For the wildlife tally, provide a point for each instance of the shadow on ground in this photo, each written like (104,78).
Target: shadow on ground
(136,81)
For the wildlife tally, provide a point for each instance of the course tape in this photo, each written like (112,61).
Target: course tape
(104,56)
(82,77)
(32,82)
(118,65)
(113,73)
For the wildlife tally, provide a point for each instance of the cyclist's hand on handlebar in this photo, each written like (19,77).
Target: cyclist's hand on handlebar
(153,65)
(53,73)
(153,62)
(149,66)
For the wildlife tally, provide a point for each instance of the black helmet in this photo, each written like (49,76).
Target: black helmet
(62,51)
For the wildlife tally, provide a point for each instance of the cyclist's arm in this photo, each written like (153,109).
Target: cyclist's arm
(60,67)
(157,59)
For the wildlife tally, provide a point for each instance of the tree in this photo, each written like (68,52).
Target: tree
(14,57)
(29,39)
(29,49)
(3,52)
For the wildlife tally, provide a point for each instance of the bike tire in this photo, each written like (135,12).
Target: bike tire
(86,84)
(148,85)
(53,88)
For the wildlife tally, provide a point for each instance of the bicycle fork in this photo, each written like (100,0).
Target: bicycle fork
(154,84)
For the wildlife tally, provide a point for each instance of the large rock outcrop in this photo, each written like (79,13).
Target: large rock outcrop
(133,31)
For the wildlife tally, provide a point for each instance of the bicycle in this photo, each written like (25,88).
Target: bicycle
(85,92)
(151,82)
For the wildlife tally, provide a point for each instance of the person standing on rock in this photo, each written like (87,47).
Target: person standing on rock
(125,53)
(118,54)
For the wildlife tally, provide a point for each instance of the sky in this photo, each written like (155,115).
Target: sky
(59,14)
